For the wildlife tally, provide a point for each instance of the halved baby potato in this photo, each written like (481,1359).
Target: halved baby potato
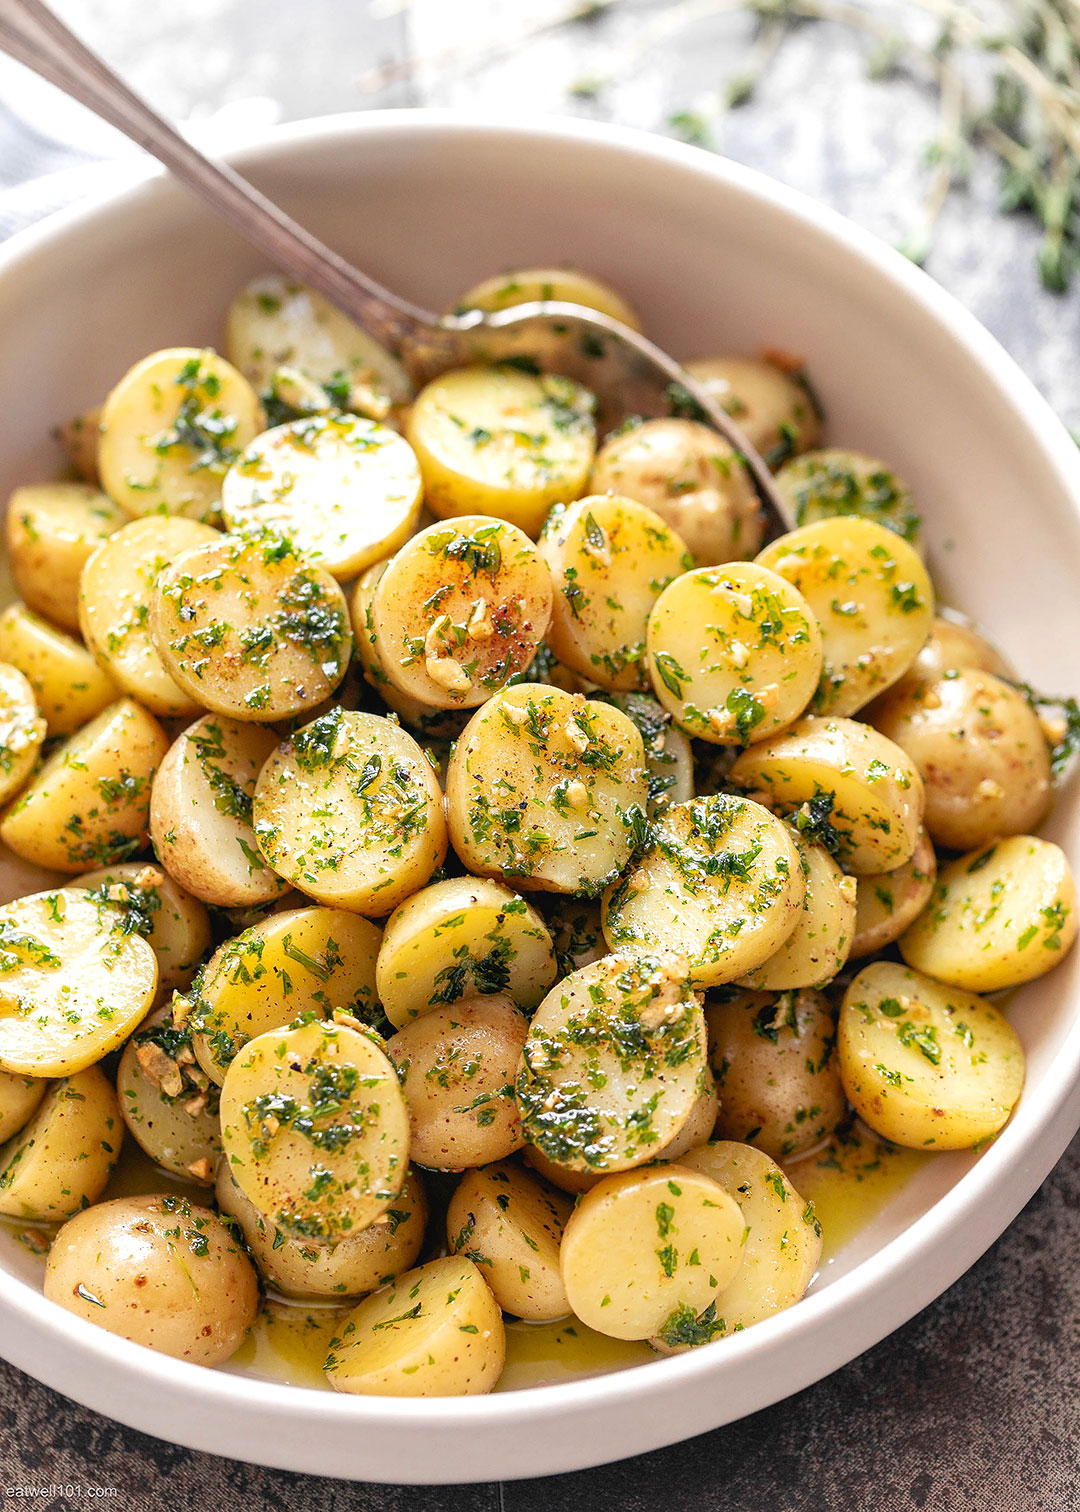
(669,756)
(315,1129)
(510,1223)
(345,490)
(69,686)
(176,925)
(19,1098)
(170,430)
(22,731)
(63,1158)
(167,1103)
(888,902)
(201,812)
(832,483)
(821,941)
(250,628)
(52,528)
(563,285)
(771,404)
(350,812)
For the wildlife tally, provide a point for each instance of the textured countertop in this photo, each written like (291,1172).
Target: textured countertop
(975,1405)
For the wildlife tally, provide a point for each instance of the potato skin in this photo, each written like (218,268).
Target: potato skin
(774,1058)
(980,751)
(771,404)
(157,1270)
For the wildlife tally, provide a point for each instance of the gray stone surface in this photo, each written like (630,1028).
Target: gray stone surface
(975,1405)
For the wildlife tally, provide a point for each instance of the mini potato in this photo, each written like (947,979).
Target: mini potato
(350,812)
(457,938)
(609,558)
(118,586)
(276,323)
(926,1066)
(61,1160)
(460,611)
(998,917)
(497,441)
(176,926)
(981,752)
(821,941)
(79,438)
(774,1058)
(825,485)
(201,812)
(69,686)
(345,490)
(168,1113)
(669,757)
(771,405)
(782,1247)
(22,731)
(457,1065)
(437,1331)
(20,1097)
(734,653)
(871,596)
(953,645)
(75,982)
(613,1064)
(719,882)
(645,1247)
(692,479)
(315,1129)
(510,1224)
(887,903)
(171,428)
(299,961)
(563,285)
(547,789)
(359,1263)
(845,785)
(250,629)
(52,528)
(89,804)
(158,1270)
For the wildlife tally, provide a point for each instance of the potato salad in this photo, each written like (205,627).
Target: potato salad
(475,866)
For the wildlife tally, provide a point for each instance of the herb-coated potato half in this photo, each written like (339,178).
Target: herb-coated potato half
(201,812)
(345,490)
(61,1160)
(774,1058)
(771,405)
(457,938)
(350,812)
(562,285)
(719,882)
(457,1066)
(510,1224)
(19,1098)
(734,652)
(69,686)
(151,904)
(613,1064)
(22,731)
(170,430)
(925,1065)
(306,1269)
(299,961)
(610,558)
(158,1270)
(498,441)
(168,1104)
(460,610)
(820,943)
(437,1331)
(89,803)
(669,756)
(315,1129)
(250,628)
(117,587)
(691,478)
(871,596)
(886,903)
(997,917)
(980,750)
(73,982)
(52,528)
(547,789)
(832,483)
(646,1246)
(844,785)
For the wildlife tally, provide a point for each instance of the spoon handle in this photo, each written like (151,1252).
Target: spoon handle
(32,35)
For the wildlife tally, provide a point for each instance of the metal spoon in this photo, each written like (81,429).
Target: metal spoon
(627,373)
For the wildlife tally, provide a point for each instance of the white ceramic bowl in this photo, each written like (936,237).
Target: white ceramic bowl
(716,258)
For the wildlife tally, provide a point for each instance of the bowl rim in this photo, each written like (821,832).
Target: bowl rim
(879,1293)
